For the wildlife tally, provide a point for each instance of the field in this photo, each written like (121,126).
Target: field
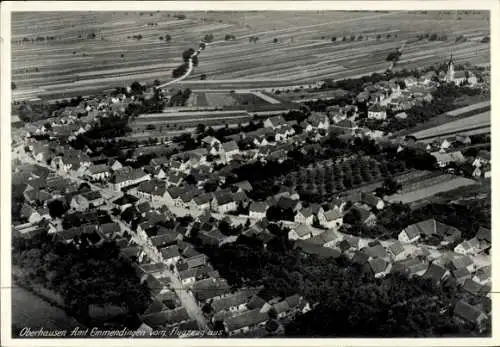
(479,123)
(471,108)
(428,187)
(165,122)
(76,61)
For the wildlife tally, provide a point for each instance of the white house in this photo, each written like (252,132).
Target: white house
(125,179)
(331,219)
(258,210)
(443,159)
(223,203)
(170,254)
(303,232)
(304,216)
(230,149)
(98,172)
(377,112)
(409,235)
(274,122)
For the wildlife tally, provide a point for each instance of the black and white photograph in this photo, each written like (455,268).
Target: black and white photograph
(248,173)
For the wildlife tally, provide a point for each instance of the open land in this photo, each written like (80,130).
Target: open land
(478,124)
(303,53)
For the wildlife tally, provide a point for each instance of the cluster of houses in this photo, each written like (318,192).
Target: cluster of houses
(449,156)
(179,180)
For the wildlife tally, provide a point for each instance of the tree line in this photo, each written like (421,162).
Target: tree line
(83,275)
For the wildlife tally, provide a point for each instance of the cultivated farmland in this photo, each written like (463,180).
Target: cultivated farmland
(91,51)
(479,123)
(429,187)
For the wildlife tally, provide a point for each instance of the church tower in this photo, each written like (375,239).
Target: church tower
(450,75)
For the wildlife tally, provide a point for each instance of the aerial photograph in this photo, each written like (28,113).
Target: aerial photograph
(250,174)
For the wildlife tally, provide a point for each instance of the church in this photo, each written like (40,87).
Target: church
(459,77)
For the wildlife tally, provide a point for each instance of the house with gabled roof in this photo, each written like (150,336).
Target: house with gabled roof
(379,267)
(98,172)
(331,219)
(229,150)
(202,201)
(462,262)
(110,230)
(84,201)
(470,314)
(188,277)
(471,247)
(460,276)
(377,112)
(376,251)
(30,214)
(483,276)
(258,209)
(304,216)
(223,202)
(484,234)
(436,273)
(372,201)
(443,159)
(170,254)
(245,322)
(210,288)
(164,319)
(303,232)
(125,179)
(274,122)
(396,251)
(410,267)
(153,191)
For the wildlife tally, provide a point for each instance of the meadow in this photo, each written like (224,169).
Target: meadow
(95,50)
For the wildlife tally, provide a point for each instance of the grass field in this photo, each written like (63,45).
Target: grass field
(303,52)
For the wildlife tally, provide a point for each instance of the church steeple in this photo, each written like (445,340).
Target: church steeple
(450,75)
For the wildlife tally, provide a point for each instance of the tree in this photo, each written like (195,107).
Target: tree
(379,37)
(334,38)
(186,55)
(203,77)
(57,208)
(200,128)
(352,217)
(391,186)
(189,179)
(168,38)
(136,88)
(13,86)
(360,37)
(275,40)
(485,39)
(208,38)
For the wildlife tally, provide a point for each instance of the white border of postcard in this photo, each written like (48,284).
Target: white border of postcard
(5,158)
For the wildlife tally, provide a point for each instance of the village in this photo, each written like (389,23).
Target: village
(211,188)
